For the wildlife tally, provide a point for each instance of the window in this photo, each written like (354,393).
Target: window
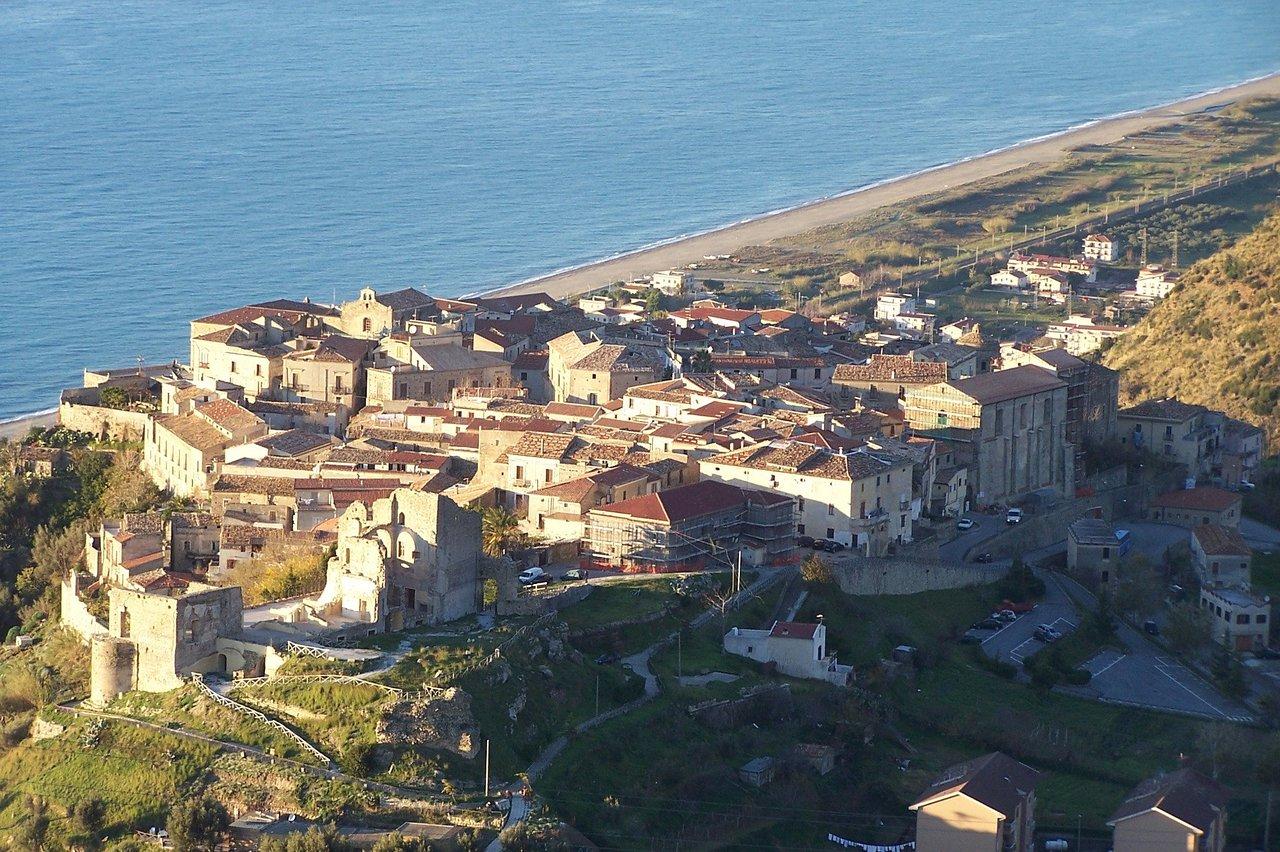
(799,529)
(1242,618)
(519,472)
(366,325)
(831,533)
(793,374)
(817,372)
(233,366)
(1106,553)
(999,420)
(831,509)
(800,504)
(400,519)
(1261,618)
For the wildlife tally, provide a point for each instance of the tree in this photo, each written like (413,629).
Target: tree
(1268,774)
(653,301)
(88,818)
(1188,628)
(814,569)
(1228,673)
(997,225)
(197,825)
(700,362)
(1138,586)
(400,843)
(128,489)
(315,839)
(499,531)
(516,838)
(32,830)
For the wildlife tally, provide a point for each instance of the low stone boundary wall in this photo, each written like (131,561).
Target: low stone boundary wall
(106,423)
(860,575)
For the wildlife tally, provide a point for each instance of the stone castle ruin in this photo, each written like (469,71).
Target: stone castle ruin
(409,559)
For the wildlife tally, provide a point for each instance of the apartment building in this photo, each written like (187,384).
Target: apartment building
(861,498)
(184,452)
(1181,810)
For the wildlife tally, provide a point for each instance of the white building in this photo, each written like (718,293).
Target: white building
(1080,335)
(1156,282)
(673,282)
(1101,248)
(890,305)
(1241,620)
(797,649)
(1010,279)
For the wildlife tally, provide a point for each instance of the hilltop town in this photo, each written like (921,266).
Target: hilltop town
(677,561)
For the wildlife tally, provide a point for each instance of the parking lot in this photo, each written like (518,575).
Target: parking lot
(1016,641)
(1154,680)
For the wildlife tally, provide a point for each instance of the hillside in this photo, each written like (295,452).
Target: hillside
(1216,339)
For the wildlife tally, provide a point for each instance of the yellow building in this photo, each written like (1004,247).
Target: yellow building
(1179,812)
(983,805)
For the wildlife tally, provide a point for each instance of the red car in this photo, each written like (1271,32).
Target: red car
(1018,608)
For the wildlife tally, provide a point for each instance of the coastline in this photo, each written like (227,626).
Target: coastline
(855,202)
(834,209)
(18,427)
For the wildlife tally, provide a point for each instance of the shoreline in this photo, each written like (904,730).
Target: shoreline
(833,209)
(841,207)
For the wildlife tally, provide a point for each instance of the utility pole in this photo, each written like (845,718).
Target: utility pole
(486,766)
(597,694)
(679,659)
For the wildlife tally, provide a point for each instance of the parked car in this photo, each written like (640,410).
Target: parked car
(1045,633)
(1013,516)
(606,659)
(987,624)
(1008,616)
(964,524)
(1267,652)
(574,574)
(984,557)
(804,541)
(1151,628)
(970,638)
(529,576)
(835,546)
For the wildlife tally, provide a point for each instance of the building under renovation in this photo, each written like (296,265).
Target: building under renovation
(691,527)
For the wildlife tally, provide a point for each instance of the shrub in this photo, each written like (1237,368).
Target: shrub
(1078,677)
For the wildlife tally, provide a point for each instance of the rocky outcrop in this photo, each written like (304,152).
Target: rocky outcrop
(435,720)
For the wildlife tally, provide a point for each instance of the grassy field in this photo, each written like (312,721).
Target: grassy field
(683,784)
(190,709)
(137,773)
(649,601)
(333,716)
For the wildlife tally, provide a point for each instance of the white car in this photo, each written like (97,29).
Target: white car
(533,575)
(1013,516)
(964,524)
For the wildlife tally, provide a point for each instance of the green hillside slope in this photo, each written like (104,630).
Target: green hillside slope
(1216,339)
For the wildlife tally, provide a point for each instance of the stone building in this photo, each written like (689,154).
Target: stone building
(583,367)
(184,452)
(1192,507)
(412,558)
(1008,428)
(374,314)
(408,367)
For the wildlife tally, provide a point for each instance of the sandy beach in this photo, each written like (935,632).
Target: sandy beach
(841,208)
(18,427)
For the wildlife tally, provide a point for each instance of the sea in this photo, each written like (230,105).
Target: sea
(160,160)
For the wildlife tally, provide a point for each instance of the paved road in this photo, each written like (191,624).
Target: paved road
(1259,535)
(1144,675)
(985,526)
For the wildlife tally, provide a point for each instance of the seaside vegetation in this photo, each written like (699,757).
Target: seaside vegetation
(1215,340)
(930,234)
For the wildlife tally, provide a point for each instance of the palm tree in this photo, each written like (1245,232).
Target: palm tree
(499,531)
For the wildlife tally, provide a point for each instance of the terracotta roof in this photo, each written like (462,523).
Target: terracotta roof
(228,415)
(1169,408)
(278,308)
(1205,498)
(542,445)
(295,442)
(274,485)
(1185,795)
(988,388)
(1217,540)
(807,459)
(675,505)
(996,780)
(793,630)
(891,368)
(399,300)
(572,409)
(530,360)
(193,431)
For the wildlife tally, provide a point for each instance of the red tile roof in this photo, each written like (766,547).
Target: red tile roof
(681,504)
(793,630)
(1205,498)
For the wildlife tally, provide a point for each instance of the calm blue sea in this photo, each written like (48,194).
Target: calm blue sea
(163,159)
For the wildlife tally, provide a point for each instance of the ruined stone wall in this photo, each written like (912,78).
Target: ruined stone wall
(75,615)
(112,664)
(175,636)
